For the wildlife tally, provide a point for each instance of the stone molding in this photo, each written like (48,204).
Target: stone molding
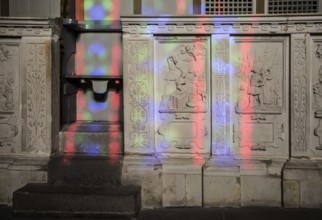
(28,27)
(264,24)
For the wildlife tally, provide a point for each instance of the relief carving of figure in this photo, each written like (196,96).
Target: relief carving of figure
(261,90)
(6,81)
(184,86)
(255,89)
(318,52)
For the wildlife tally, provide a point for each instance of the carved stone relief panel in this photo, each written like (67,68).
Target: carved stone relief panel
(220,94)
(37,95)
(138,100)
(10,114)
(299,95)
(259,94)
(316,113)
(182,112)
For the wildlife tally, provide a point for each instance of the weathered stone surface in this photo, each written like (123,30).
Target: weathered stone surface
(182,182)
(253,167)
(4,180)
(91,138)
(302,170)
(146,172)
(311,194)
(193,190)
(261,191)
(291,194)
(221,173)
(71,200)
(85,169)
(221,191)
(26,171)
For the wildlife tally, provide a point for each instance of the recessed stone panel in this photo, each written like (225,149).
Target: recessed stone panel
(259,81)
(182,94)
(10,113)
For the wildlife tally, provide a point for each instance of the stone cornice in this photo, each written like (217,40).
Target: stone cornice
(14,26)
(204,24)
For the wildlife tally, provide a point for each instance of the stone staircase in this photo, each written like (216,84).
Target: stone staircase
(80,185)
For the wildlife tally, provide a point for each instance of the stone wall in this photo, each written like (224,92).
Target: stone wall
(29,109)
(226,109)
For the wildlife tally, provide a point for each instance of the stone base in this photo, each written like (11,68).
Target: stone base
(144,171)
(221,183)
(16,172)
(302,184)
(233,183)
(261,182)
(182,181)
(70,200)
(81,169)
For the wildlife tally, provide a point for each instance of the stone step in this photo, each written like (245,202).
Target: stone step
(85,169)
(109,201)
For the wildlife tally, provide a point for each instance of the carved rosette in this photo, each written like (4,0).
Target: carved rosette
(138,93)
(300,105)
(36,98)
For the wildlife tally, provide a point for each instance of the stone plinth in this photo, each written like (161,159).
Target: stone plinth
(144,171)
(219,174)
(182,181)
(302,184)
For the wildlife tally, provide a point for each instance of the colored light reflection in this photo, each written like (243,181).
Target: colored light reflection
(166,7)
(97,55)
(101,10)
(246,100)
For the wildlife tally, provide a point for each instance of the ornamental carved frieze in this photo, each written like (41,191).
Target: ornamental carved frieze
(137,55)
(220,77)
(300,105)
(36,98)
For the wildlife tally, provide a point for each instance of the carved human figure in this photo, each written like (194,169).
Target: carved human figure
(317,91)
(255,89)
(270,94)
